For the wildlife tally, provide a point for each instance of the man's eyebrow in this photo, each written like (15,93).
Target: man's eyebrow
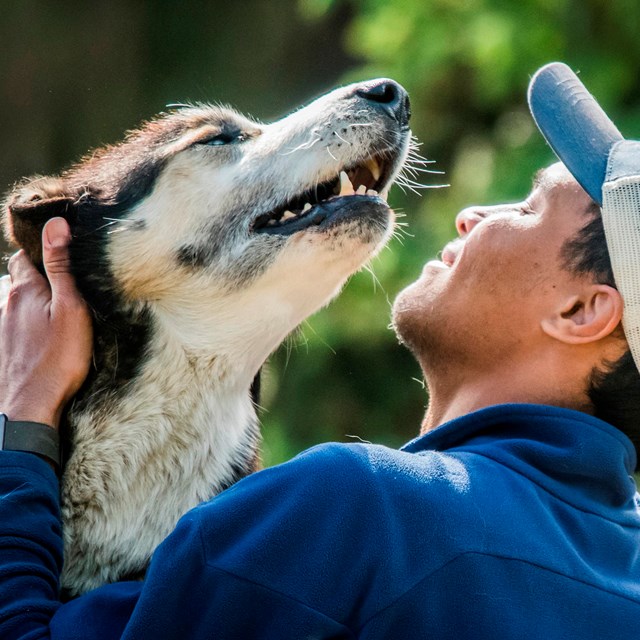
(540,181)
(593,208)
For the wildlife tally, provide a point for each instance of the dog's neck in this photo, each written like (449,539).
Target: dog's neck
(181,429)
(152,378)
(155,352)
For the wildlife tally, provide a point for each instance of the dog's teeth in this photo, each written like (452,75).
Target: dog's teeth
(361,190)
(346,188)
(384,194)
(287,215)
(374,167)
(271,223)
(306,207)
(372,192)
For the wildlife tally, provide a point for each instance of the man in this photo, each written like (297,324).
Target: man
(514,515)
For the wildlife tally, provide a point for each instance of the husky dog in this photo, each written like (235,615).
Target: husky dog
(199,243)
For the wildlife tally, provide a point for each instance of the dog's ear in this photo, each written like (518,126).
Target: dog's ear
(28,208)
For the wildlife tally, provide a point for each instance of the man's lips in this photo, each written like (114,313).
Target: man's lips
(448,255)
(451,251)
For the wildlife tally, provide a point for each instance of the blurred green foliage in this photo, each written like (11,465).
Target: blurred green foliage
(76,75)
(466,65)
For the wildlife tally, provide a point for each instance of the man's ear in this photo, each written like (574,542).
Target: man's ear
(28,208)
(588,317)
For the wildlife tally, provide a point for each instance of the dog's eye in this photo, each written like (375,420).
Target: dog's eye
(222,139)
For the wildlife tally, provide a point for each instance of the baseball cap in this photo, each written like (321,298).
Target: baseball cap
(606,165)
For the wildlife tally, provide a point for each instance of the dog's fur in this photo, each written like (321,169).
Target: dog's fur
(191,289)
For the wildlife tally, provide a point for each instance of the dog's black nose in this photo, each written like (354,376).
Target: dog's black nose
(389,96)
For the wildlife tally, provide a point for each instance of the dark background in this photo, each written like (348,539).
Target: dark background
(76,75)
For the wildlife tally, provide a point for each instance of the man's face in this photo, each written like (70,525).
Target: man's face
(481,305)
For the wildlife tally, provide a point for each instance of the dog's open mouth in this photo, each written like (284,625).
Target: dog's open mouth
(368,179)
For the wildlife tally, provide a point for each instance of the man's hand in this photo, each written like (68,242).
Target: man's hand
(46,335)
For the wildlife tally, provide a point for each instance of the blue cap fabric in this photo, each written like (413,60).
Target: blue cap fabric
(574,125)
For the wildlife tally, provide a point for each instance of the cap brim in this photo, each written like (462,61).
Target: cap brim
(573,124)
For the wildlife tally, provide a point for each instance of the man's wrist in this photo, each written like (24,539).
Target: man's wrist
(26,412)
(31,437)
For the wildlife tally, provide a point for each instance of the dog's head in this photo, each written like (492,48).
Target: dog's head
(213,222)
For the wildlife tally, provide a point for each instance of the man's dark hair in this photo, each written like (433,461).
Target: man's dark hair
(614,388)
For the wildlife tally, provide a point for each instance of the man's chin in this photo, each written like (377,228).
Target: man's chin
(408,318)
(417,316)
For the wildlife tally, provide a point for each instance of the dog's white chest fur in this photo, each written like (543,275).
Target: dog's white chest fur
(178,436)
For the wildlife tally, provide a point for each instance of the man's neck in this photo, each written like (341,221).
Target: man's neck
(527,385)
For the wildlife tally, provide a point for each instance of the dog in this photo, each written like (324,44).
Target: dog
(199,243)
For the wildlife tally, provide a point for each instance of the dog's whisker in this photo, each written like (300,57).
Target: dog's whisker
(417,158)
(409,170)
(398,238)
(376,282)
(121,220)
(104,226)
(403,231)
(126,223)
(401,234)
(404,177)
(324,342)
(301,147)
(408,166)
(403,184)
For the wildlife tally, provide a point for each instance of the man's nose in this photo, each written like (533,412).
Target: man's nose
(468,218)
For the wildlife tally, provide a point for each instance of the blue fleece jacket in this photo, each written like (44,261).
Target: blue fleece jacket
(517,521)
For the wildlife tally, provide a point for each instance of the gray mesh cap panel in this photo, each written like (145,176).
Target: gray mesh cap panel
(621,219)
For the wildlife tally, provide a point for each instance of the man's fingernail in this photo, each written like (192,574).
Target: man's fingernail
(56,232)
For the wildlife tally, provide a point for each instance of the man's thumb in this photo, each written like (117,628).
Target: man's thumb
(55,256)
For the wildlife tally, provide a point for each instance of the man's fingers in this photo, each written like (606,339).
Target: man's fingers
(55,256)
(21,269)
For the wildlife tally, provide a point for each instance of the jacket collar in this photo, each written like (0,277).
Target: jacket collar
(578,458)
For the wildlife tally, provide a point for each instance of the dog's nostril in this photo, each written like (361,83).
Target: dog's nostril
(384,93)
(388,96)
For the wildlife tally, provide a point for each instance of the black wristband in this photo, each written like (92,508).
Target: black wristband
(31,437)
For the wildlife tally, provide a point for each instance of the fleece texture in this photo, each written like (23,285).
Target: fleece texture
(516,521)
